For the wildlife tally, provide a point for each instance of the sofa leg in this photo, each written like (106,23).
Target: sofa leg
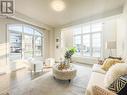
(69,80)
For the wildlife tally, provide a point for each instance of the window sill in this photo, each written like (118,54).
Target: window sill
(86,60)
(86,57)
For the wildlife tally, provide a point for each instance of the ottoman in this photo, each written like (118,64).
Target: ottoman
(65,74)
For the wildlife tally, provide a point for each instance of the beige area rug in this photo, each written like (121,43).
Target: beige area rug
(47,85)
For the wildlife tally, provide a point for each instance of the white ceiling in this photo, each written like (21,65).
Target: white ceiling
(41,11)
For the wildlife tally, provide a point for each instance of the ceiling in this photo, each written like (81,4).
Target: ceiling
(41,11)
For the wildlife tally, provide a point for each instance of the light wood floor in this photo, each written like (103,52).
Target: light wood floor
(12,80)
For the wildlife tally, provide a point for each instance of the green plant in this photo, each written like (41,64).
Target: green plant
(70,52)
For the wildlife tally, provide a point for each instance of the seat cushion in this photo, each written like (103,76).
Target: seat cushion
(96,79)
(97,68)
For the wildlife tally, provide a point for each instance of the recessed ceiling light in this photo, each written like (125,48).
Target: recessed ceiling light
(58,5)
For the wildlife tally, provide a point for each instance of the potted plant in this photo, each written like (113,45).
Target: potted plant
(68,55)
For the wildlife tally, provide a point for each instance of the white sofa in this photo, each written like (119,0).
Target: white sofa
(96,82)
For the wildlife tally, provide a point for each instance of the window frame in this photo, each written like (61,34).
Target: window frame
(91,42)
(28,34)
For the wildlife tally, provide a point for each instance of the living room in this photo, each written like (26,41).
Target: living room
(63,47)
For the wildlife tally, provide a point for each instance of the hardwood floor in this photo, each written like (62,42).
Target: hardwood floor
(23,76)
(11,80)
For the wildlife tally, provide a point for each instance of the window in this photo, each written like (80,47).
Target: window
(77,44)
(28,30)
(38,44)
(17,28)
(25,41)
(96,44)
(87,39)
(86,45)
(86,29)
(77,30)
(28,46)
(16,46)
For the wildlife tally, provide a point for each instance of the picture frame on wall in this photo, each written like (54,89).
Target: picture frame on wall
(57,40)
(57,46)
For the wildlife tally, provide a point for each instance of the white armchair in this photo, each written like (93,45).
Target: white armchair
(35,65)
(49,62)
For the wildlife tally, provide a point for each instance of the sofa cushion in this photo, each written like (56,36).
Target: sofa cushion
(119,86)
(97,68)
(96,79)
(109,62)
(115,72)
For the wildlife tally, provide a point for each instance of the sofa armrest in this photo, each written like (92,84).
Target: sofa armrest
(101,91)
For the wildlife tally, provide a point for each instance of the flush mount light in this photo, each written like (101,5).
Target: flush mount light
(58,5)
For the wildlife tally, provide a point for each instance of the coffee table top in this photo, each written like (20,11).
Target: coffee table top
(71,68)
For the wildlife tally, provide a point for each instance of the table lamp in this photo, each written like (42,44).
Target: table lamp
(110,45)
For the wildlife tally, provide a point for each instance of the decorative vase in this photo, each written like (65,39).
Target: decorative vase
(67,62)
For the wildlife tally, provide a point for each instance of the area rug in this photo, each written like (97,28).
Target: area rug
(47,85)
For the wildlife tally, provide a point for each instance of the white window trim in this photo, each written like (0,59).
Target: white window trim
(90,33)
(22,33)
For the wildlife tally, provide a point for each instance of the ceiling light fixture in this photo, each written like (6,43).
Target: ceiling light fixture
(58,5)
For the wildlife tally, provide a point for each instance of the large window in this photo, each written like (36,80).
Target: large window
(87,39)
(25,42)
(38,44)
(28,46)
(16,46)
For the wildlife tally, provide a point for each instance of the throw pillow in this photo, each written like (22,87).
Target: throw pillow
(119,86)
(119,58)
(114,72)
(109,62)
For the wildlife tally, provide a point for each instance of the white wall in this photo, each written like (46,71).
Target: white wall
(68,38)
(122,33)
(4,43)
(109,34)
(125,28)
(57,50)
(51,44)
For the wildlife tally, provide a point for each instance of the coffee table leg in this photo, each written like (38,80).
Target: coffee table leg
(54,77)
